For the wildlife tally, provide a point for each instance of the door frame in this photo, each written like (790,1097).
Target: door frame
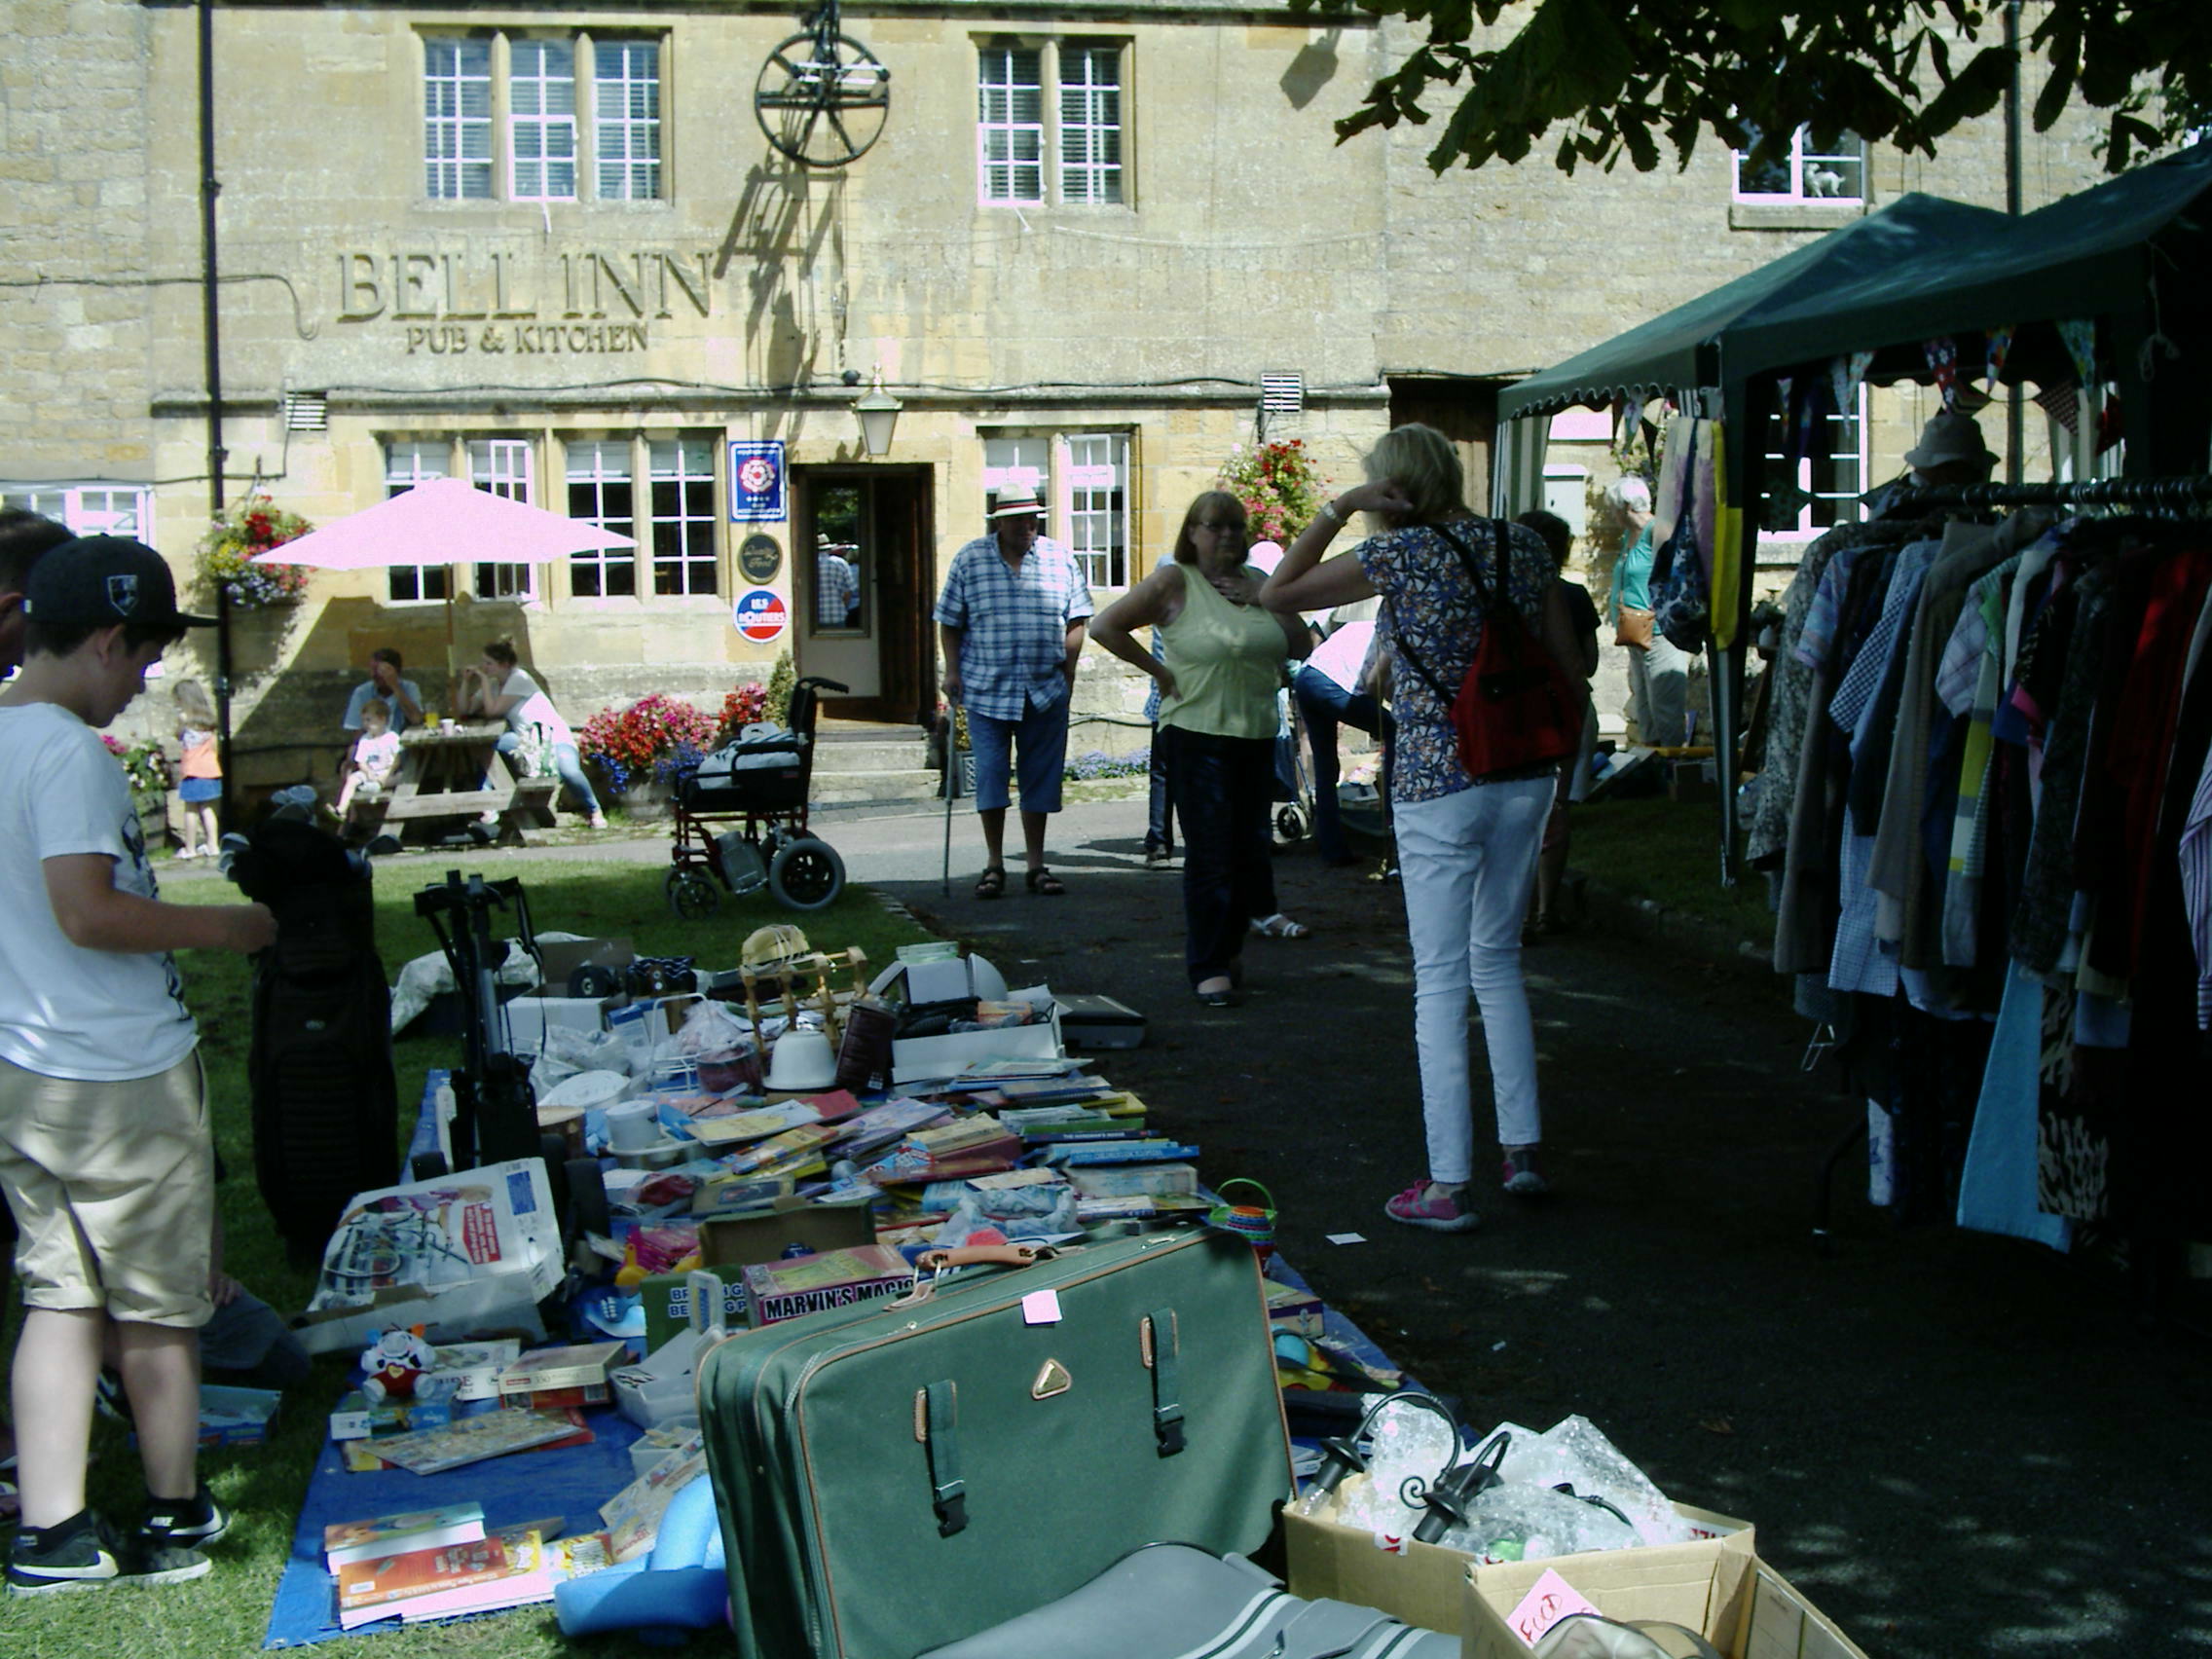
(901,507)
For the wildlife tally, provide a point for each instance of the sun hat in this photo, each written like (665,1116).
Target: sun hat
(772,946)
(1948,437)
(1019,502)
(98,582)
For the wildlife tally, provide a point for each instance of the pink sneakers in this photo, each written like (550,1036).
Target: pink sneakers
(1424,1205)
(1520,1176)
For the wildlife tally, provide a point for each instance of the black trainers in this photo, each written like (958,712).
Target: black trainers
(184,1525)
(85,1553)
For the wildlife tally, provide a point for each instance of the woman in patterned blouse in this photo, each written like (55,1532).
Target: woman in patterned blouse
(1466,847)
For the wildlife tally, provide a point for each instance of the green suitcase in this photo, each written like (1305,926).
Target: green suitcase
(895,1476)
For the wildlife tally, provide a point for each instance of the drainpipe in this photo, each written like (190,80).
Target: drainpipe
(211,331)
(2016,404)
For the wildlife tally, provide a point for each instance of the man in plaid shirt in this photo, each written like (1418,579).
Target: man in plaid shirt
(1011,621)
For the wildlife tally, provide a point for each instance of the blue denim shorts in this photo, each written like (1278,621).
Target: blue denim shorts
(1040,744)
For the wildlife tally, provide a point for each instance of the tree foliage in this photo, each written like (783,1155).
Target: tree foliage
(1635,77)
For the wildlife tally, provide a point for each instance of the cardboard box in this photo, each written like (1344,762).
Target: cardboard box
(1727,1595)
(1425,1584)
(666,1298)
(913,1057)
(763,1234)
(556,959)
(663,1387)
(1691,780)
(528,1016)
(497,1222)
(236,1417)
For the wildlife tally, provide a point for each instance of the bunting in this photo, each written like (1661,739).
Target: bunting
(1998,346)
(1942,354)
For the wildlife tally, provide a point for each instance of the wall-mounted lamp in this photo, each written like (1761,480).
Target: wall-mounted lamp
(879,415)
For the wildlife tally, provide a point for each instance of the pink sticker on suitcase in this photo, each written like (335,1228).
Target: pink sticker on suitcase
(1040,1308)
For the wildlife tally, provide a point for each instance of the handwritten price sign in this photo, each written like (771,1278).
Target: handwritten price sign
(1551,1599)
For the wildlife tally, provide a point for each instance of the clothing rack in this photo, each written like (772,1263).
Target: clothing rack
(2152,492)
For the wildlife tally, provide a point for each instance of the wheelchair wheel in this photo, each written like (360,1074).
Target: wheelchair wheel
(1291,824)
(806,874)
(693,895)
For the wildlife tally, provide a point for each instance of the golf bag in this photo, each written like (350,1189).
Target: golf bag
(325,1103)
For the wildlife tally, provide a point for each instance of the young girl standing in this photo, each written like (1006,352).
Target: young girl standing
(200,775)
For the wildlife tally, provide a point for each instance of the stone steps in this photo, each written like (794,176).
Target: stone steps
(864,760)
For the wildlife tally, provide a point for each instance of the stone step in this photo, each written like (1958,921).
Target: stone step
(881,756)
(838,788)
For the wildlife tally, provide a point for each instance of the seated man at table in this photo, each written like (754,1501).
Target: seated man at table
(402,699)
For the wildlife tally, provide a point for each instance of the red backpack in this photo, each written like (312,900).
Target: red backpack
(1516,708)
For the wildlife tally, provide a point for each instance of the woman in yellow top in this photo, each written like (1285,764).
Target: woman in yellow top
(1220,667)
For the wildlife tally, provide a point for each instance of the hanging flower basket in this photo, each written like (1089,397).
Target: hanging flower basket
(252,525)
(1280,487)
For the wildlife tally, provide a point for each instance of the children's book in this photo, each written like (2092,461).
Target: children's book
(633,1514)
(534,1577)
(473,1439)
(349,1542)
(730,1131)
(368,1588)
(776,1154)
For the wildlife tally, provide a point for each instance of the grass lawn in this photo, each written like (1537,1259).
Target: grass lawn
(1669,852)
(225,1613)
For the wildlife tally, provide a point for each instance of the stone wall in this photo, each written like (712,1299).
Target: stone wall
(1249,243)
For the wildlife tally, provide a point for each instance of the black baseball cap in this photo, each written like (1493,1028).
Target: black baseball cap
(97,581)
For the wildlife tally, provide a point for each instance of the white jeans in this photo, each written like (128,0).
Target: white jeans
(1466,862)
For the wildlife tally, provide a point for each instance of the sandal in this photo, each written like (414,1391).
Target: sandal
(1042,881)
(1279,926)
(991,883)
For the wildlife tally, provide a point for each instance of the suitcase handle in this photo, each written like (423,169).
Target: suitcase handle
(984,1255)
(935,1262)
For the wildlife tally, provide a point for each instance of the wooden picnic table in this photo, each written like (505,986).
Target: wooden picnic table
(441,774)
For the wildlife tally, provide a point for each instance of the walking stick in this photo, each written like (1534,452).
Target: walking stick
(951,760)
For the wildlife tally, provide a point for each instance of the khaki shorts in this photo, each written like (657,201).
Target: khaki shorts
(113,1186)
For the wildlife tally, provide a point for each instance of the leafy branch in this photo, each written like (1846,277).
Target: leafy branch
(1634,78)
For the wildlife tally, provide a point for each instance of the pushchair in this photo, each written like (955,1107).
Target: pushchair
(1292,820)
(740,822)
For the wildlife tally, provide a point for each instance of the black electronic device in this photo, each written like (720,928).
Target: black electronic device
(595,980)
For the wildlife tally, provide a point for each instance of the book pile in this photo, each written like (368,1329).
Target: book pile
(556,1377)
(980,1145)
(385,1570)
(1079,1155)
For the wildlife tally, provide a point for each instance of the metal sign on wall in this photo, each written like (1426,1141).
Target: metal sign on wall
(760,555)
(756,481)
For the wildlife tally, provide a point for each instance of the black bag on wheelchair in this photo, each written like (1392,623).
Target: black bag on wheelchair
(766,773)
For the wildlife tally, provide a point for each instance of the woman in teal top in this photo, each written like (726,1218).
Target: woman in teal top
(1220,665)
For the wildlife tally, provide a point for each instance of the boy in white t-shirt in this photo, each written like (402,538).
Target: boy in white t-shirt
(105,1153)
(375,757)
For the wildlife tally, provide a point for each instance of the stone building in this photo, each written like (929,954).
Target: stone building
(1094,246)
